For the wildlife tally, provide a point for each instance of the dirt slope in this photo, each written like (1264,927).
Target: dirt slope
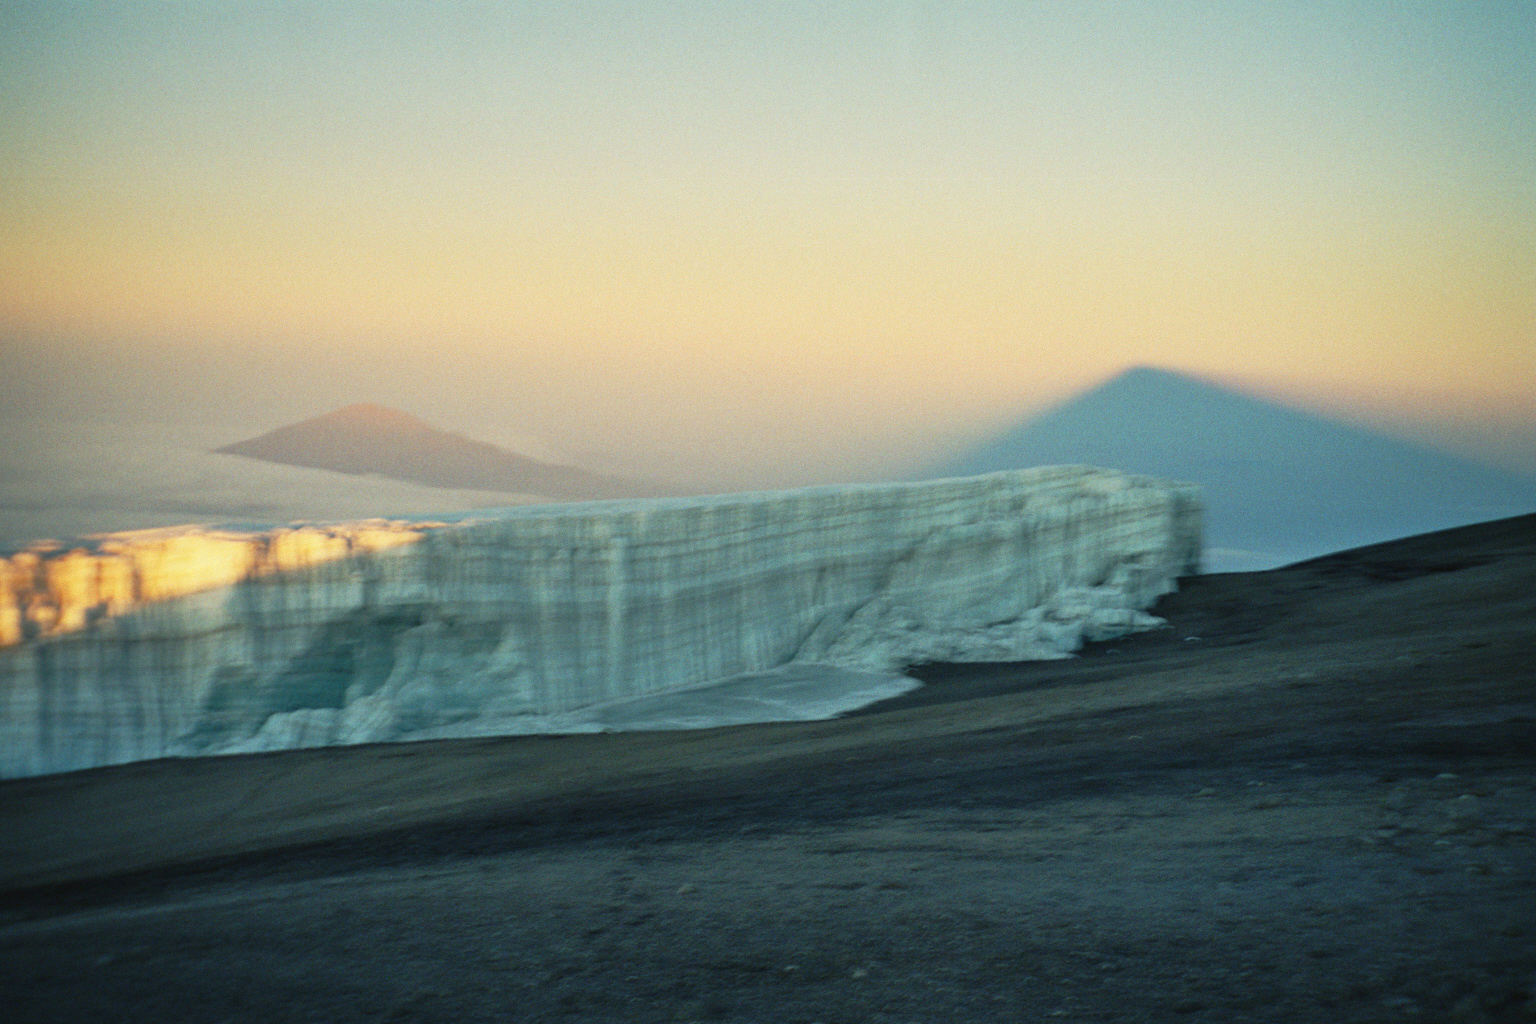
(1312,798)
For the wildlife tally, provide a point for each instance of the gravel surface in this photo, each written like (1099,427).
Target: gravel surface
(1311,798)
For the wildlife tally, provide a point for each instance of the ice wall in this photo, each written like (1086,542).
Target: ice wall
(50,587)
(122,650)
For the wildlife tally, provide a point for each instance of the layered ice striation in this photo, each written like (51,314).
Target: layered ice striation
(655,613)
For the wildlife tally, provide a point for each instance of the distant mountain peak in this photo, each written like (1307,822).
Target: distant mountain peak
(1151,378)
(368,438)
(370,414)
(1145,371)
(1144,383)
(1280,483)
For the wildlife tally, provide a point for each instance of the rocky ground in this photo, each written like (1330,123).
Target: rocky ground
(1313,798)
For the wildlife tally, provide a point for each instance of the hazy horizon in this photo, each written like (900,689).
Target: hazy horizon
(740,244)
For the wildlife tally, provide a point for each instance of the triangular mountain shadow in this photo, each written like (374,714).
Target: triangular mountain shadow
(1280,484)
(367,438)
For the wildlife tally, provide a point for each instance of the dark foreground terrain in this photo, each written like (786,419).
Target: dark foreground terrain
(1313,798)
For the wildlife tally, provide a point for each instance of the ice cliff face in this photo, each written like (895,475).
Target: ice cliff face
(195,642)
(50,588)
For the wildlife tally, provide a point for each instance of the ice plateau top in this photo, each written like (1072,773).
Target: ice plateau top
(644,613)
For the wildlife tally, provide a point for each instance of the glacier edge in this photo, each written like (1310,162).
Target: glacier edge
(577,617)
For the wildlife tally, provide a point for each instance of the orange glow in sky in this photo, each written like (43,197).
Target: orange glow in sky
(770,241)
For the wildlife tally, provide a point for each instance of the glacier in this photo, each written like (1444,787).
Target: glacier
(640,613)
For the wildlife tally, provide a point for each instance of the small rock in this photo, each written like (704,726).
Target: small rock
(1462,815)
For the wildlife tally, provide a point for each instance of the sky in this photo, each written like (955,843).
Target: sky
(761,243)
